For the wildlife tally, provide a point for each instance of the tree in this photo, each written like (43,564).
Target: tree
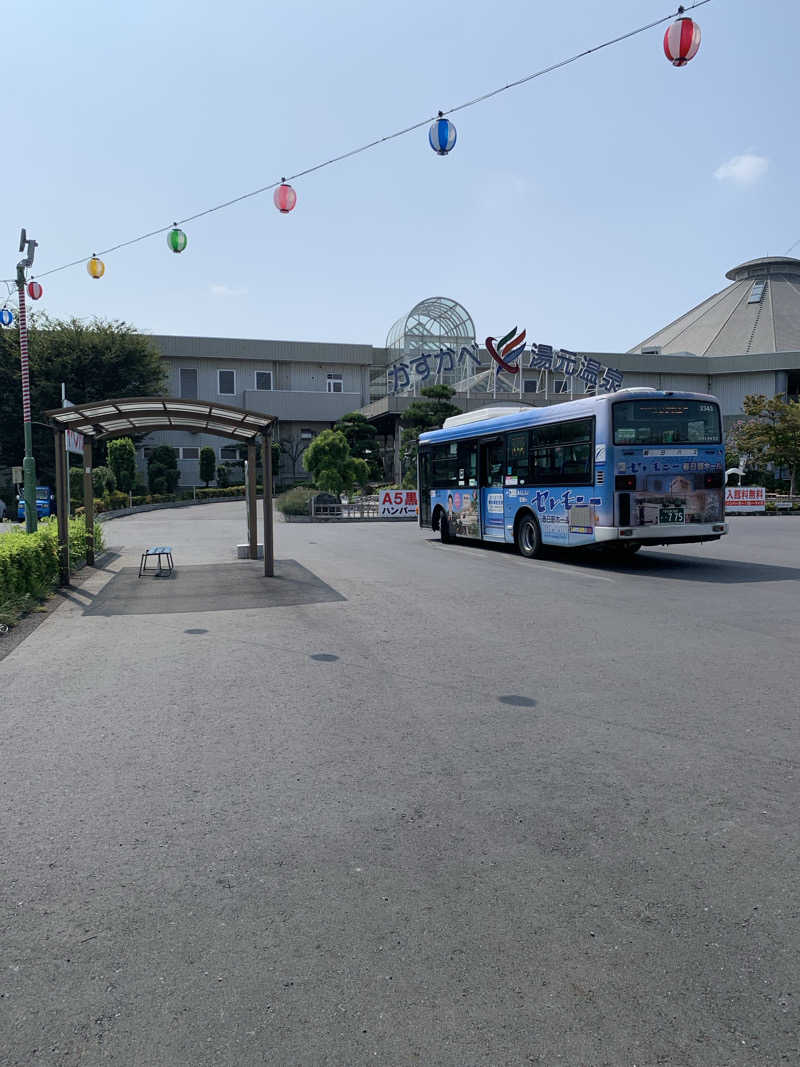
(103,481)
(96,361)
(428,413)
(162,470)
(332,467)
(771,433)
(122,461)
(293,447)
(362,437)
(208,464)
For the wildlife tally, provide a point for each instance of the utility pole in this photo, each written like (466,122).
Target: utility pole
(29,463)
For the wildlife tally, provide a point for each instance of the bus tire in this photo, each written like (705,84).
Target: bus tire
(444,529)
(527,536)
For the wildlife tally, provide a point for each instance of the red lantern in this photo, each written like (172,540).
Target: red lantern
(34,290)
(681,41)
(284,198)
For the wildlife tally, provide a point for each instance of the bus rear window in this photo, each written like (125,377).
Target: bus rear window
(666,422)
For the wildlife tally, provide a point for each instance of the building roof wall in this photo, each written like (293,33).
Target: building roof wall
(729,323)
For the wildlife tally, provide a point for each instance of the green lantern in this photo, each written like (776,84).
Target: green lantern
(176,239)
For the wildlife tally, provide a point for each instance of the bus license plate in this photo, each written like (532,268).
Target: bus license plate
(668,515)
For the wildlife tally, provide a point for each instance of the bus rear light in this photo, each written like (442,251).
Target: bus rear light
(625,481)
(713,481)
(718,529)
(626,533)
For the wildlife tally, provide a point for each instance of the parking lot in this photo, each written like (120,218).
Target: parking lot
(414,804)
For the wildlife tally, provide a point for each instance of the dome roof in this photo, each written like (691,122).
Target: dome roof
(759,312)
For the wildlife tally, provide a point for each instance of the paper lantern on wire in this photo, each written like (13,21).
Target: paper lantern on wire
(284,198)
(96,267)
(681,41)
(176,239)
(442,135)
(34,290)
(6,318)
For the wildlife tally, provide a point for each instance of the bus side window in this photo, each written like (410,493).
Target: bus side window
(495,458)
(519,458)
(467,464)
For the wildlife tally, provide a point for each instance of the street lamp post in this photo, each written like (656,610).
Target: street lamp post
(28,463)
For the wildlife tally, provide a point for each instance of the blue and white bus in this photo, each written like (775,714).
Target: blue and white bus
(626,469)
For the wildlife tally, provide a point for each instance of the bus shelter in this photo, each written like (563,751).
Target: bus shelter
(129,416)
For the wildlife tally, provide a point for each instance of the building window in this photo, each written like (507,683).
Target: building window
(187,386)
(335,384)
(230,453)
(306,435)
(560,385)
(531,386)
(226,382)
(192,452)
(264,380)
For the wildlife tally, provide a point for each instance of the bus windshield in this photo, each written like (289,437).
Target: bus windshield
(666,422)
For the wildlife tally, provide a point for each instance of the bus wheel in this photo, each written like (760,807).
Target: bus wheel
(444,529)
(527,537)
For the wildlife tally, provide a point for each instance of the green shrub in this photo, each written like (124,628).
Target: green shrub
(295,501)
(103,481)
(116,500)
(29,563)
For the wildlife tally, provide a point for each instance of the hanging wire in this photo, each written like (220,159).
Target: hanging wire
(381,140)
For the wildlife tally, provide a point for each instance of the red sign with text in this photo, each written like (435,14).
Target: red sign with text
(745,498)
(398,504)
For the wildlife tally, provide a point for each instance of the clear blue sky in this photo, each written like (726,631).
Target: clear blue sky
(591,206)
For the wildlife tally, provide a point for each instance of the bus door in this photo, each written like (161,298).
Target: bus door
(492,470)
(424,496)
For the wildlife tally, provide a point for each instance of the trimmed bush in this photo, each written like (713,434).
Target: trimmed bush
(295,501)
(29,563)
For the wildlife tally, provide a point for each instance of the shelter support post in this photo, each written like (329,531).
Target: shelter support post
(61,507)
(88,499)
(252,502)
(266,463)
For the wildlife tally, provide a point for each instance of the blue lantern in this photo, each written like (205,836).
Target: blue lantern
(6,318)
(442,135)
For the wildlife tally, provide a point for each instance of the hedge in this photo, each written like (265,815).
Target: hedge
(29,563)
(295,501)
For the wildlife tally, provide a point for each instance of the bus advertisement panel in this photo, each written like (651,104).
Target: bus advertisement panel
(627,469)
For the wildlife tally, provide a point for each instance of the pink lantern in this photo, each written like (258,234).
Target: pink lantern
(284,198)
(681,41)
(34,290)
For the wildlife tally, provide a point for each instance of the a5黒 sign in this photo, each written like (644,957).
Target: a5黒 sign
(745,498)
(398,504)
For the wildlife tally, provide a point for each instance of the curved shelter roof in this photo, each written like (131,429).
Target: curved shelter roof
(135,415)
(759,313)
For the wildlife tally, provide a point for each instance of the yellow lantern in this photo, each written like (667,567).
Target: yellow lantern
(96,267)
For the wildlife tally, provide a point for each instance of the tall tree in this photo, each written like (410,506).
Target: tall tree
(97,360)
(208,464)
(771,433)
(362,437)
(333,468)
(162,470)
(427,413)
(122,461)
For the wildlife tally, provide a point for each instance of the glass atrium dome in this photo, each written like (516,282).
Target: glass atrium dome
(433,326)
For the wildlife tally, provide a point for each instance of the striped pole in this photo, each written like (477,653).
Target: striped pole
(29,463)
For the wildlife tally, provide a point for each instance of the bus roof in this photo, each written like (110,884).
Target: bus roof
(483,425)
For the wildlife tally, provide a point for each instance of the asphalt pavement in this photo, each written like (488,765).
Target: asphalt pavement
(405,804)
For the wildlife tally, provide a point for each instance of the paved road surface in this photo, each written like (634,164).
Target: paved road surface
(423,804)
